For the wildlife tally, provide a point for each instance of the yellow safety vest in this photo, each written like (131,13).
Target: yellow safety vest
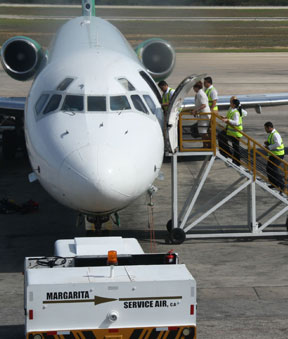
(230,130)
(280,149)
(208,93)
(167,96)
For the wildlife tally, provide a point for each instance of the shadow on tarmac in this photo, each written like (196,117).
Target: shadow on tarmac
(12,331)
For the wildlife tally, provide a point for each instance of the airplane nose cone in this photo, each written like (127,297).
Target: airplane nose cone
(98,179)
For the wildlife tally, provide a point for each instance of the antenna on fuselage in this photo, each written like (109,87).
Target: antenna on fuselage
(88,7)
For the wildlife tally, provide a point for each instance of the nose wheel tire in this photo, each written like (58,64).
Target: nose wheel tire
(177,235)
(169,226)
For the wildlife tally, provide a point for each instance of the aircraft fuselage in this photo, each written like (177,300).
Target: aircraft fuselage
(92,122)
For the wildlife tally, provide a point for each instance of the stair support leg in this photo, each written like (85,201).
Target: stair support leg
(252,222)
(174,185)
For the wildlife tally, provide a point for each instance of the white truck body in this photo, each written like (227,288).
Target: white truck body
(108,301)
(96,246)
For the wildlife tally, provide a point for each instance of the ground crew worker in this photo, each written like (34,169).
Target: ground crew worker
(167,94)
(234,118)
(202,106)
(275,145)
(211,93)
(244,112)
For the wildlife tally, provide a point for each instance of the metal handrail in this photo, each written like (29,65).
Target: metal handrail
(211,140)
(250,146)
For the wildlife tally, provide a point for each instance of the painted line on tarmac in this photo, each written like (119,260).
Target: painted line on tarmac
(147,19)
(189,19)
(143,7)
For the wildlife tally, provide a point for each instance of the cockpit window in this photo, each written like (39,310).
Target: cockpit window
(119,103)
(97,104)
(53,103)
(64,84)
(41,102)
(138,103)
(150,103)
(126,84)
(73,103)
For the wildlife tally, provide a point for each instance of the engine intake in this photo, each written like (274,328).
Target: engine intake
(158,57)
(21,57)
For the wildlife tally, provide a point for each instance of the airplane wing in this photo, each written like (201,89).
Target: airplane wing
(12,106)
(255,101)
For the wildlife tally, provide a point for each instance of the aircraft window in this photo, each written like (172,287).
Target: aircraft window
(53,103)
(41,102)
(150,103)
(73,103)
(126,84)
(64,84)
(97,104)
(138,103)
(151,84)
(119,103)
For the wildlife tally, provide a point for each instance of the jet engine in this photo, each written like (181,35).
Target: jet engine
(157,56)
(21,57)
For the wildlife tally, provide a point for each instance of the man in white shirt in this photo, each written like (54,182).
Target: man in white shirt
(202,106)
(275,145)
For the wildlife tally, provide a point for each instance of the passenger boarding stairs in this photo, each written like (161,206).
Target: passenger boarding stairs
(252,176)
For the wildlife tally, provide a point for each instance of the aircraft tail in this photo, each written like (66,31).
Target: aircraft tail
(88,7)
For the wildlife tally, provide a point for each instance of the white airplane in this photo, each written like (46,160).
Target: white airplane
(93,117)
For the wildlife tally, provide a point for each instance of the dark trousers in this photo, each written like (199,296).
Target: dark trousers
(223,140)
(273,172)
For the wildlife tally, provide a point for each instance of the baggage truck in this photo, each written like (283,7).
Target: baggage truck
(108,288)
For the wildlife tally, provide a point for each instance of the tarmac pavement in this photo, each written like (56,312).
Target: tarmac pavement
(242,284)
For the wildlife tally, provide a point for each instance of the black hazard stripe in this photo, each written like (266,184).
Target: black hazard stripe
(76,335)
(136,334)
(154,334)
(172,334)
(177,333)
(86,334)
(67,336)
(143,333)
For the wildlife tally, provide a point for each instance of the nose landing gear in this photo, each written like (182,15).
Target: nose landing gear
(93,223)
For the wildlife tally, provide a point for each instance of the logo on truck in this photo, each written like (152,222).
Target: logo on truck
(83,297)
(152,302)
(67,295)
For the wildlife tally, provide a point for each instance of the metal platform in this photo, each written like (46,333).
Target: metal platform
(252,174)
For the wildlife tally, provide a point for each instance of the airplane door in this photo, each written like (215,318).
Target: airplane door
(175,108)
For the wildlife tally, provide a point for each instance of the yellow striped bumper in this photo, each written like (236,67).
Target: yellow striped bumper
(183,332)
